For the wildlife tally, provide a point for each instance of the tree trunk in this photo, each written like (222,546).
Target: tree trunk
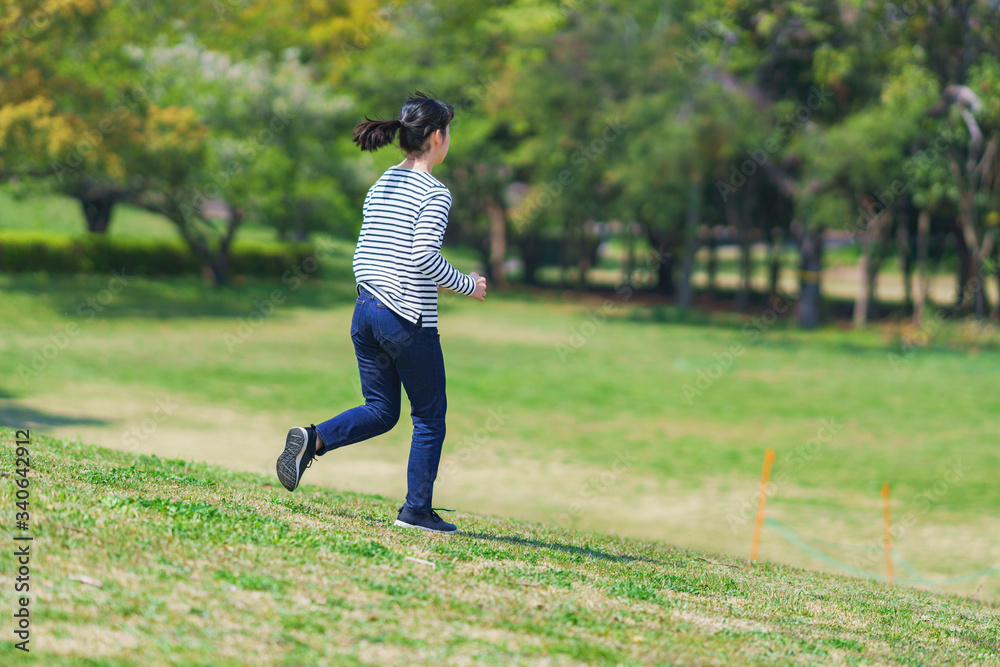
(662,249)
(583,262)
(484,257)
(967,223)
(905,262)
(963,268)
(774,262)
(301,232)
(861,298)
(811,245)
(685,292)
(564,258)
(630,254)
(218,264)
(879,251)
(867,270)
(215,261)
(733,220)
(746,265)
(712,267)
(996,274)
(923,280)
(530,255)
(498,242)
(743,224)
(97,211)
(985,253)
(665,268)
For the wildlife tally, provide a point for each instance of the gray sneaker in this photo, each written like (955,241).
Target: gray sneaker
(430,522)
(300,450)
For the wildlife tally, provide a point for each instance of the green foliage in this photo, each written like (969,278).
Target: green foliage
(252,103)
(273,153)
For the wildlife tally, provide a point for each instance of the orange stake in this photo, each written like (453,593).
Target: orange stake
(765,477)
(886,510)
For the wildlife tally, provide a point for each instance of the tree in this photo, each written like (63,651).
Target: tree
(976,174)
(76,110)
(272,157)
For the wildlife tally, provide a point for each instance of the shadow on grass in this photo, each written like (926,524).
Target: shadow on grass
(19,416)
(566,548)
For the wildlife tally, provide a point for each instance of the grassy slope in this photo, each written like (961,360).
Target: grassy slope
(201,565)
(694,466)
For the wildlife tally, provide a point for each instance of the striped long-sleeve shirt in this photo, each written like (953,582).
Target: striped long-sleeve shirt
(398,257)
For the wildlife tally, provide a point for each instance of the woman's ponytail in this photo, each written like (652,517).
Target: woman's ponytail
(374,134)
(420,116)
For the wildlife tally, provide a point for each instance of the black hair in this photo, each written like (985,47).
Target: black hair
(420,116)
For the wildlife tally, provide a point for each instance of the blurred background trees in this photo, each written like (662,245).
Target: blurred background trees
(662,130)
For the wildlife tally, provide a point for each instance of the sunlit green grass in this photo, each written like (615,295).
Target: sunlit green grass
(581,384)
(571,380)
(63,216)
(146,560)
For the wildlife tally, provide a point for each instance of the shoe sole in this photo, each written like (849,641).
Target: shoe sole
(288,463)
(429,530)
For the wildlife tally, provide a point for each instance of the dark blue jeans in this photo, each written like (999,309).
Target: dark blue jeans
(391,351)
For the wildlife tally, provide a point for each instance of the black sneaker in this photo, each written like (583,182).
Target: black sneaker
(430,521)
(300,450)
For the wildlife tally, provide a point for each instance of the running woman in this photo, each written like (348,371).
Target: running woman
(398,267)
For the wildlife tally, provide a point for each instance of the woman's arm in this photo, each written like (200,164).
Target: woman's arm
(428,235)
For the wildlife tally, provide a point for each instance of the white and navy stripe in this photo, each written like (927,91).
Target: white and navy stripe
(398,257)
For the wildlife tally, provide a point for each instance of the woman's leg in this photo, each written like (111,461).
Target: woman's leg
(380,385)
(421,369)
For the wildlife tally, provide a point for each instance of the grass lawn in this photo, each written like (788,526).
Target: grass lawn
(626,417)
(63,215)
(145,560)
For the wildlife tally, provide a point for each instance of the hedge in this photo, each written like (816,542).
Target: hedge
(33,251)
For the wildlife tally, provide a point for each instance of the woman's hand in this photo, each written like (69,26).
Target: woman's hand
(480,292)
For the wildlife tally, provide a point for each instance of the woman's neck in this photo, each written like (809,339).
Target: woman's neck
(422,163)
